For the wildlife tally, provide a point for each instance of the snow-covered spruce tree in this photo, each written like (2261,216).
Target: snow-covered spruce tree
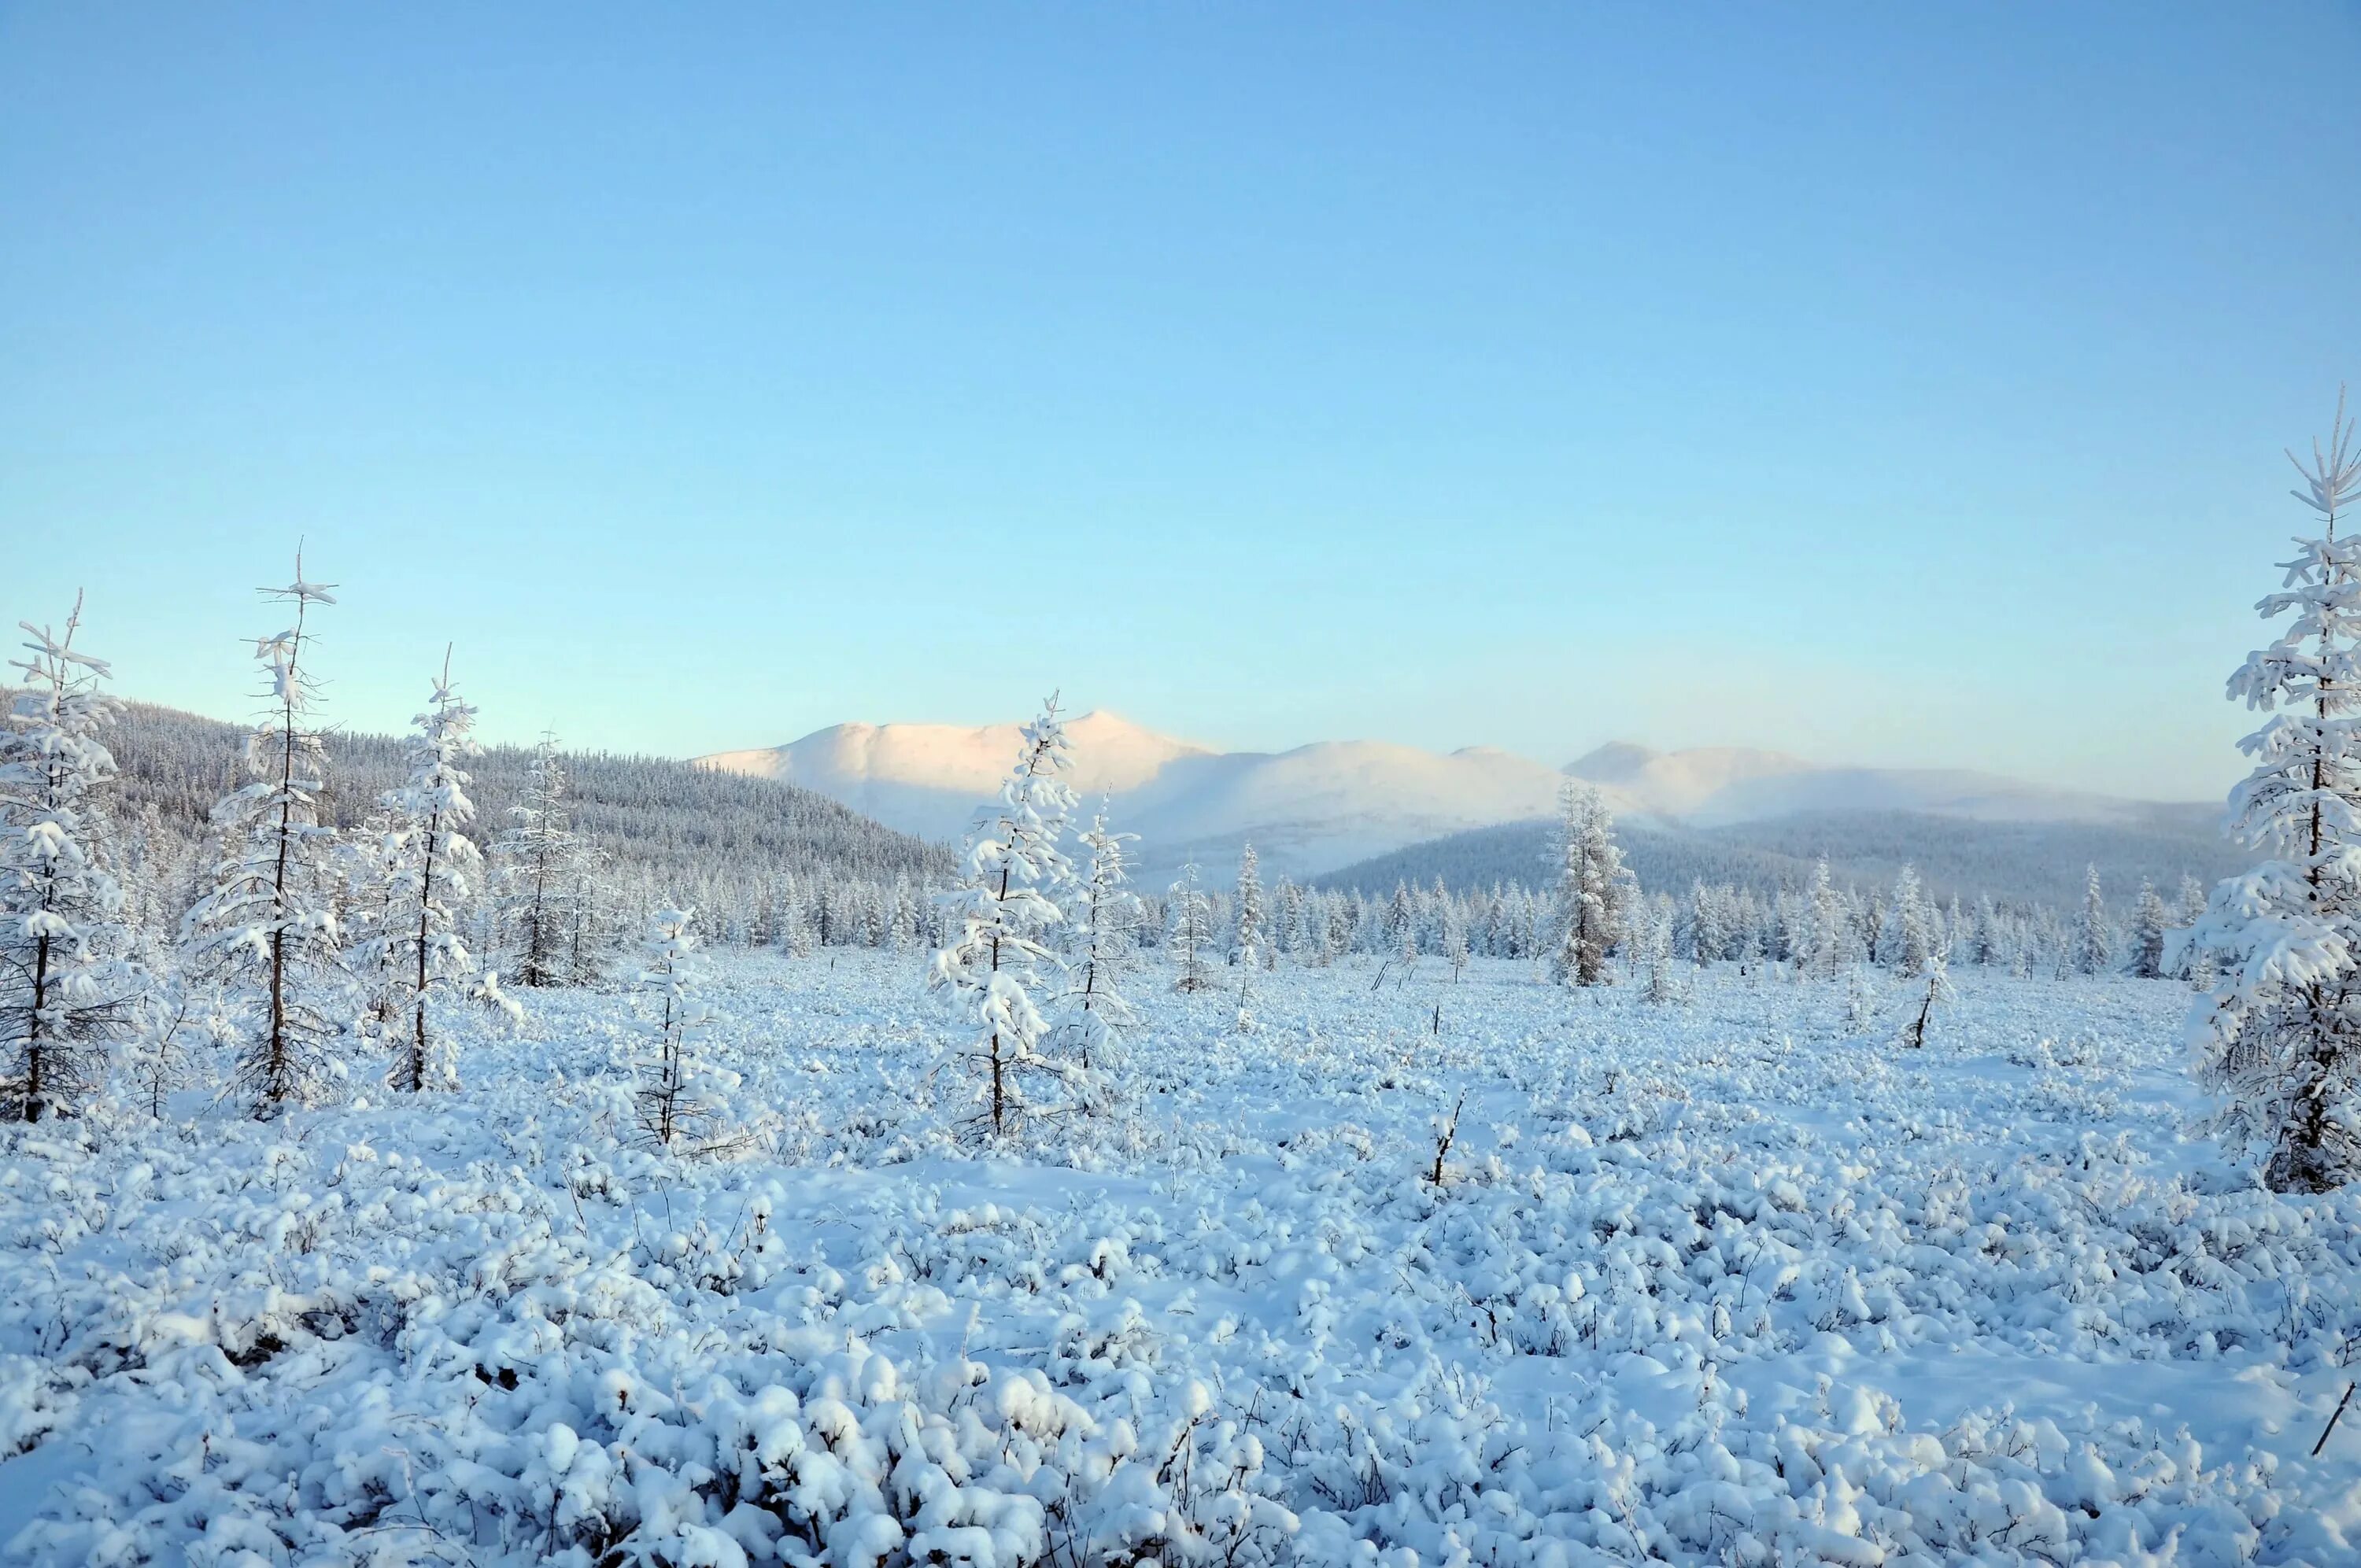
(1593,890)
(2094,940)
(266,934)
(1248,952)
(2278,1040)
(366,858)
(1751,950)
(1001,915)
(416,955)
(1191,931)
(2051,937)
(1104,918)
(1336,931)
(680,1098)
(1248,945)
(1903,943)
(1401,924)
(2146,961)
(902,929)
(148,868)
(1826,944)
(2193,902)
(2190,960)
(1286,919)
(1983,945)
(594,917)
(1708,936)
(535,877)
(1656,952)
(66,987)
(795,933)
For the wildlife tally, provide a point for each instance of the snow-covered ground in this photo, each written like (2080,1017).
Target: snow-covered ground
(1717,1283)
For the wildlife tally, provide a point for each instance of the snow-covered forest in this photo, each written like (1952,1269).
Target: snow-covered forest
(427,1154)
(668,830)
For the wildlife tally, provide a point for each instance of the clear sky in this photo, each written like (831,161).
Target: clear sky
(1889,383)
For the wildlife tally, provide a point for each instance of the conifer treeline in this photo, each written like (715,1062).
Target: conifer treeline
(674,832)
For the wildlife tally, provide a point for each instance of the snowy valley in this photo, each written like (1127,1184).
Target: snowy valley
(1364,1110)
(375,1197)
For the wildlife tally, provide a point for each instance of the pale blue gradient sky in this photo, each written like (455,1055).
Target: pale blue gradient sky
(1889,383)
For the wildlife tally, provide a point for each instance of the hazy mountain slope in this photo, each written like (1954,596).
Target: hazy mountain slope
(1326,805)
(928,779)
(1711,786)
(2023,861)
(1677,783)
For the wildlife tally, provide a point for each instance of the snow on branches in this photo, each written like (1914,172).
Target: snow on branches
(1001,916)
(1249,951)
(266,935)
(66,989)
(1595,891)
(2278,1039)
(1191,932)
(537,878)
(413,954)
(681,1097)
(1102,919)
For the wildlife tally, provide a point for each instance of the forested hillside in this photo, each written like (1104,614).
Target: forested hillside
(2020,863)
(694,834)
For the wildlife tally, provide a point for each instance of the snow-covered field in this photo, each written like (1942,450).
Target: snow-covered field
(1716,1283)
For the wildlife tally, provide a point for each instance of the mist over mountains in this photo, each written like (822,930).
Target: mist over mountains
(1365,812)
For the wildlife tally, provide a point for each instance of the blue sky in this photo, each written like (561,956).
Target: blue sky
(1896,384)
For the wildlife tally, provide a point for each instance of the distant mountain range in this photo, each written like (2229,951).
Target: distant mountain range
(1318,810)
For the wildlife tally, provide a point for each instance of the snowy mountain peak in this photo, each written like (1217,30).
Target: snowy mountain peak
(1613,762)
(1117,749)
(931,776)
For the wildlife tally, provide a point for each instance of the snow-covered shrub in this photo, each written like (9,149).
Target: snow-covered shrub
(1705,1285)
